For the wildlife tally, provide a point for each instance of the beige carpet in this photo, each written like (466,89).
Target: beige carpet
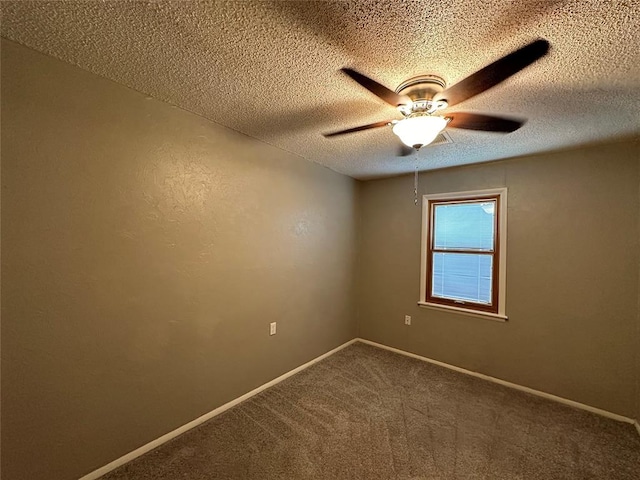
(366,413)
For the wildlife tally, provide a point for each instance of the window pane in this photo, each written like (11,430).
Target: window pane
(465,225)
(461,276)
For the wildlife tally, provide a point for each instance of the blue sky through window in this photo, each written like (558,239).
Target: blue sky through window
(464,226)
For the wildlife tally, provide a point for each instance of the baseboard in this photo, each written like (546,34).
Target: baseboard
(515,386)
(207,416)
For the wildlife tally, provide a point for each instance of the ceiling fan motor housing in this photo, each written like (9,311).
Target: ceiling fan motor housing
(421,91)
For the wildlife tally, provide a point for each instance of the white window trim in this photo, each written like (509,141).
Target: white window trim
(502,269)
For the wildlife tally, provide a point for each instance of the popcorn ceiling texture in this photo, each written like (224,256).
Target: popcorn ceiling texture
(271,69)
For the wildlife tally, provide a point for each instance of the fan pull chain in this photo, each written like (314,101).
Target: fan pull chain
(415,187)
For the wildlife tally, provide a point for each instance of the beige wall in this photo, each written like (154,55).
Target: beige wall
(572,274)
(638,326)
(144,252)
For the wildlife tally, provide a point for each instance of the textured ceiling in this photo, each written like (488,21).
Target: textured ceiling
(271,69)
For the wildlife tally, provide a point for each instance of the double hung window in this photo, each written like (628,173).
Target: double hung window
(464,251)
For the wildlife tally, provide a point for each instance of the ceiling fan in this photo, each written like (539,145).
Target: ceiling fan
(421,98)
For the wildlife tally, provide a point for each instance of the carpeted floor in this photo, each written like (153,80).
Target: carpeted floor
(367,413)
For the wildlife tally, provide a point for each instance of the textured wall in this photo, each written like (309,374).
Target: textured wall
(638,326)
(145,251)
(572,274)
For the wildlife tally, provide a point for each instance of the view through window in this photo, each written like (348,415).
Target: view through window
(463,251)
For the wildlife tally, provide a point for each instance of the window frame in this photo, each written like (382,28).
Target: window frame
(495,311)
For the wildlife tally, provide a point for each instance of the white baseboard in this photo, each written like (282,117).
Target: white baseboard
(515,386)
(207,416)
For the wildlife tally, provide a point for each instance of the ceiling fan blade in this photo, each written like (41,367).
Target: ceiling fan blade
(404,151)
(360,128)
(494,73)
(487,123)
(389,96)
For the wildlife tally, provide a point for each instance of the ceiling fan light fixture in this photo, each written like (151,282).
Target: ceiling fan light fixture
(419,130)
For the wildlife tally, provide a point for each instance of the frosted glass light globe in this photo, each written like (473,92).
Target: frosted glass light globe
(420,130)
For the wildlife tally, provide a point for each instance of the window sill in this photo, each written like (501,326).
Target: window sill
(465,311)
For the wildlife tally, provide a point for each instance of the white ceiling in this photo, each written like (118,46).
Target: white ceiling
(271,69)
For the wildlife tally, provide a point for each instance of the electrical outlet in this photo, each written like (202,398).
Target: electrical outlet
(272,328)
(407,319)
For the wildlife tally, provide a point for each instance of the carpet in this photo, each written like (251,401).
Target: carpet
(367,413)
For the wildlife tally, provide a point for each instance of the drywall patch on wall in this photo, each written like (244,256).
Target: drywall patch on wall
(145,252)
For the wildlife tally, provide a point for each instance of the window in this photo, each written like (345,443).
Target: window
(464,252)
